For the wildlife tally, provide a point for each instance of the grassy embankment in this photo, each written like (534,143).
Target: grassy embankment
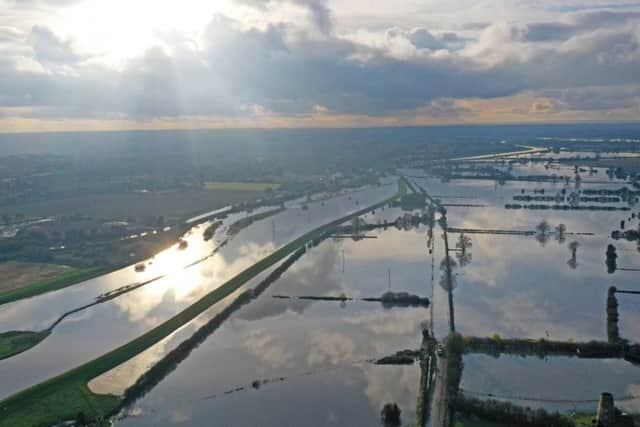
(65,396)
(57,282)
(580,420)
(15,342)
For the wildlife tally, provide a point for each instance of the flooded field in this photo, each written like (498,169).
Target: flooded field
(103,327)
(281,355)
(297,343)
(308,351)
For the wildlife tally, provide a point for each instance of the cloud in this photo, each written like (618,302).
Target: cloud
(268,348)
(53,53)
(314,274)
(406,322)
(330,347)
(237,69)
(319,10)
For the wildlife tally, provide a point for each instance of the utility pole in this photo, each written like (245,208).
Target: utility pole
(389,277)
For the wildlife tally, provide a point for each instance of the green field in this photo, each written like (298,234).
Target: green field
(14,342)
(113,206)
(62,397)
(240,186)
(57,282)
(465,422)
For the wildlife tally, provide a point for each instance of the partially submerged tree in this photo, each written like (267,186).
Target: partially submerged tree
(573,247)
(463,255)
(561,229)
(390,415)
(542,231)
(611,259)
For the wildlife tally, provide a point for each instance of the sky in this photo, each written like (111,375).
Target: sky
(148,64)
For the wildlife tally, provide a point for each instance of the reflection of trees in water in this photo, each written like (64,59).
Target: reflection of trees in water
(573,247)
(444,281)
(464,258)
(560,233)
(542,232)
(463,255)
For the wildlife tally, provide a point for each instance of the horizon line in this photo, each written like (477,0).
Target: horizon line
(269,128)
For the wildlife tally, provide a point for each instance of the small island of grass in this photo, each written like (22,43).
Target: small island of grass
(15,342)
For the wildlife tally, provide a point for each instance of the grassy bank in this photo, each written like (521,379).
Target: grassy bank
(64,396)
(14,342)
(58,282)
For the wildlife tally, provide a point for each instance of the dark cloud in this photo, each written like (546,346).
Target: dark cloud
(577,24)
(423,39)
(319,10)
(597,98)
(548,31)
(285,70)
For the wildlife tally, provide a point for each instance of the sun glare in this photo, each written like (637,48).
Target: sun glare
(117,30)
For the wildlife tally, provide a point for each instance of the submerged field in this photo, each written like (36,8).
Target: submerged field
(34,405)
(232,322)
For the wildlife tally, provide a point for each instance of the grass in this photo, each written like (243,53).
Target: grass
(62,397)
(581,420)
(16,274)
(58,282)
(584,420)
(240,186)
(465,422)
(15,342)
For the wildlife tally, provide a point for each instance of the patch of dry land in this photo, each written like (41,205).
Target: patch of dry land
(17,274)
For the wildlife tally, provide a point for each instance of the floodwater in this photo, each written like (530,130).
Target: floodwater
(296,362)
(560,384)
(315,354)
(312,352)
(94,331)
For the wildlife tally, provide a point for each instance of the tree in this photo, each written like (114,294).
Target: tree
(611,259)
(542,232)
(444,279)
(573,247)
(560,233)
(81,419)
(390,415)
(463,243)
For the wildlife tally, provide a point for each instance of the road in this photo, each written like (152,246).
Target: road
(439,408)
(529,150)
